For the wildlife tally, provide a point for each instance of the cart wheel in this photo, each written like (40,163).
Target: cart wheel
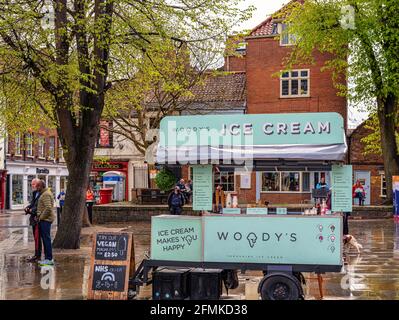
(280,287)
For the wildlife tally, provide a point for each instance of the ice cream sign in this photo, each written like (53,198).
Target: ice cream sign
(248,239)
(253,129)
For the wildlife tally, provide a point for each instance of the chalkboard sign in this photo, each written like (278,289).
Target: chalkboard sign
(111,247)
(109,277)
(112,261)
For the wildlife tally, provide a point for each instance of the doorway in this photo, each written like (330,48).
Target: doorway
(364,178)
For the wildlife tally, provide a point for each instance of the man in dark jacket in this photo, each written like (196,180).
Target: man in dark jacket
(176,201)
(31,209)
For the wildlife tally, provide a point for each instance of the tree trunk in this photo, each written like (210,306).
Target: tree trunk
(387,116)
(68,234)
(85,218)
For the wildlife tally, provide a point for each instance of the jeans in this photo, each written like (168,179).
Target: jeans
(360,196)
(175,210)
(45,228)
(90,210)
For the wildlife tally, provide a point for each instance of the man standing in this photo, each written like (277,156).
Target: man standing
(33,221)
(176,201)
(61,201)
(45,213)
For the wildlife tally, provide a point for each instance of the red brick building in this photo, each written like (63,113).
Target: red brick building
(303,89)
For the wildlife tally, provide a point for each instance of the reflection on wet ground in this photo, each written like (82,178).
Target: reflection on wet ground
(372,274)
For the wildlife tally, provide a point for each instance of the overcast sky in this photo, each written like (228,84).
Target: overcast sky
(265,8)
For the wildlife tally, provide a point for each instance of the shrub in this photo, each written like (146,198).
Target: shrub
(165,180)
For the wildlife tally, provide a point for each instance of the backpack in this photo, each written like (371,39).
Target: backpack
(230,279)
(176,200)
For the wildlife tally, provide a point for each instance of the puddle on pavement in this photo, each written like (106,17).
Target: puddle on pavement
(372,274)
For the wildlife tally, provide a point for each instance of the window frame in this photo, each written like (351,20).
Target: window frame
(51,156)
(41,147)
(29,142)
(17,152)
(280,181)
(291,39)
(216,183)
(290,79)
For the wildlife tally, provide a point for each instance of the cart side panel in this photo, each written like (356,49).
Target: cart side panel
(176,238)
(300,240)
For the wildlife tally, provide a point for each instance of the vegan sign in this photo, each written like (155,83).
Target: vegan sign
(111,246)
(176,238)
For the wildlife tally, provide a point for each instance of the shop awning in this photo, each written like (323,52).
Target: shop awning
(239,138)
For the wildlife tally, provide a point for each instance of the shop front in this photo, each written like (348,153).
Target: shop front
(3,180)
(111,174)
(20,176)
(284,156)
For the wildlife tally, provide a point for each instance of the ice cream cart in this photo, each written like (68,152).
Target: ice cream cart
(283,244)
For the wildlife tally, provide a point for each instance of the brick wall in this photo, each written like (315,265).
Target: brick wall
(264,57)
(43,132)
(235,63)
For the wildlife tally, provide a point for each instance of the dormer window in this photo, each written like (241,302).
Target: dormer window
(286,39)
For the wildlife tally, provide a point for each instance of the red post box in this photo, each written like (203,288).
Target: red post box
(106,195)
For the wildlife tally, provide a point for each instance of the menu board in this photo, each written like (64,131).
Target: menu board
(111,246)
(109,277)
(341,183)
(112,261)
(202,187)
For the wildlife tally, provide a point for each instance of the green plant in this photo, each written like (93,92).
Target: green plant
(165,180)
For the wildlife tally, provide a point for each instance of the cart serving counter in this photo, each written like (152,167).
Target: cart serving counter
(281,245)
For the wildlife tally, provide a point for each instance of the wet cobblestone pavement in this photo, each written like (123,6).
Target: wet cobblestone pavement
(372,274)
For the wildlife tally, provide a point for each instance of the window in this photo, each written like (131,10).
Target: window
(51,183)
(42,147)
(383,186)
(17,144)
(295,83)
(30,191)
(286,39)
(28,144)
(51,147)
(60,151)
(271,181)
(290,181)
(63,183)
(17,189)
(226,179)
(105,138)
(286,181)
